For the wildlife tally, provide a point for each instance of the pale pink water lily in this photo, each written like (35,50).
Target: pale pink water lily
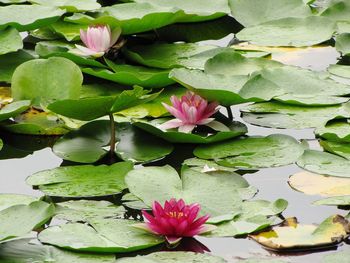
(175,220)
(191,110)
(98,39)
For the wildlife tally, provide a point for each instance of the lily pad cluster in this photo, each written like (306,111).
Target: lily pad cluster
(97,82)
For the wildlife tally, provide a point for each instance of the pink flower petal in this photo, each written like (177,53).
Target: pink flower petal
(187,128)
(175,123)
(173,240)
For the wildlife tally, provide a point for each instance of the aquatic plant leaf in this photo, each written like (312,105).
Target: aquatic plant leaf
(70,5)
(342,43)
(8,200)
(104,235)
(10,40)
(82,181)
(335,201)
(13,109)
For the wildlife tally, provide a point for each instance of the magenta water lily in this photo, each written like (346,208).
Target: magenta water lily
(175,220)
(190,111)
(98,39)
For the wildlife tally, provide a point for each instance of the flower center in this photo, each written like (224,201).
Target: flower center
(175,214)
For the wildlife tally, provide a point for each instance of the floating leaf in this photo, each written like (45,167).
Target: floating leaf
(290,31)
(46,79)
(253,152)
(339,148)
(13,109)
(251,12)
(70,5)
(279,115)
(203,166)
(104,235)
(10,61)
(19,220)
(329,233)
(8,200)
(338,257)
(339,70)
(317,184)
(82,181)
(1,144)
(86,144)
(236,129)
(28,17)
(324,163)
(87,210)
(10,41)
(20,251)
(337,10)
(335,201)
(342,43)
(172,257)
(335,131)
(218,193)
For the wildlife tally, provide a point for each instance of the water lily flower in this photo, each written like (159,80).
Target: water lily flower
(175,220)
(98,39)
(191,110)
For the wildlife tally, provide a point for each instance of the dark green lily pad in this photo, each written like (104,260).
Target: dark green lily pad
(13,109)
(46,79)
(337,147)
(236,129)
(104,235)
(18,220)
(10,61)
(324,163)
(28,17)
(218,193)
(253,152)
(280,115)
(173,257)
(290,31)
(251,12)
(82,181)
(86,144)
(87,210)
(20,251)
(10,40)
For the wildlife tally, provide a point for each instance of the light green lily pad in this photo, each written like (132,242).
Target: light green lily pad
(8,200)
(20,251)
(335,131)
(86,144)
(253,152)
(334,201)
(18,220)
(339,148)
(338,257)
(82,181)
(10,40)
(104,235)
(342,43)
(340,70)
(46,79)
(13,109)
(236,129)
(70,5)
(218,193)
(324,163)
(87,210)
(28,17)
(290,31)
(173,257)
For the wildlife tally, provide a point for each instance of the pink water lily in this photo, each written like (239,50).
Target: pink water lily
(191,110)
(175,220)
(97,39)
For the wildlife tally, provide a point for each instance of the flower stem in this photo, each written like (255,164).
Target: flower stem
(229,113)
(112,141)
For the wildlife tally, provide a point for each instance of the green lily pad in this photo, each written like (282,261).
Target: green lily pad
(82,181)
(334,201)
(70,5)
(254,216)
(8,200)
(236,129)
(251,12)
(10,61)
(104,235)
(1,144)
(202,165)
(342,43)
(86,144)
(253,152)
(132,75)
(339,148)
(280,115)
(87,210)
(218,193)
(338,257)
(28,17)
(10,40)
(335,131)
(297,236)
(70,31)
(20,251)
(290,31)
(13,109)
(172,257)
(317,184)
(46,79)
(18,220)
(324,163)
(339,70)
(88,109)
(337,10)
